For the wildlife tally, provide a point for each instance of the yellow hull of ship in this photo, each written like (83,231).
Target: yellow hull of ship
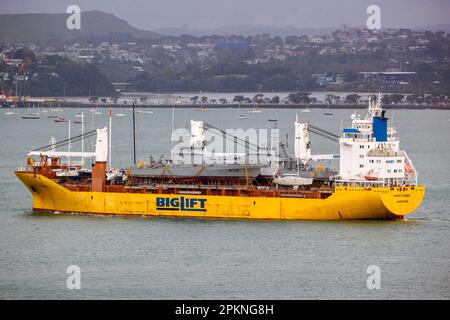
(344,203)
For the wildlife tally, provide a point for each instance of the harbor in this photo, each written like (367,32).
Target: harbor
(293,244)
(224,159)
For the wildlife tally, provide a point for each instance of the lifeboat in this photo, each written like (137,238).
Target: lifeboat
(70,172)
(408,168)
(292,181)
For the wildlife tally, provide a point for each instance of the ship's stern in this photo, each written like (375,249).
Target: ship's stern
(401,201)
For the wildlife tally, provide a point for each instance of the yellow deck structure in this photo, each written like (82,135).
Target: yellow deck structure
(345,202)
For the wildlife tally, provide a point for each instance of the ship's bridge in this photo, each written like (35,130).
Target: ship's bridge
(354,134)
(362,125)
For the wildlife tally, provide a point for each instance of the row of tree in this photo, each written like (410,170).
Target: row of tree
(299,98)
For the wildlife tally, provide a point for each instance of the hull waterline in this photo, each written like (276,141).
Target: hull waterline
(344,203)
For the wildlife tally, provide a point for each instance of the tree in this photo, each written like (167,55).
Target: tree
(386,99)
(415,98)
(352,98)
(373,97)
(25,54)
(143,100)
(396,98)
(331,98)
(238,98)
(299,97)
(258,98)
(194,99)
(54,73)
(223,100)
(204,99)
(275,99)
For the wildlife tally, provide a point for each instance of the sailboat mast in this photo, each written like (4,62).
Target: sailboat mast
(92,128)
(82,137)
(110,137)
(134,137)
(173,128)
(68,146)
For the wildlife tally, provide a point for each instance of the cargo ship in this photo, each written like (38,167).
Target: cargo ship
(376,179)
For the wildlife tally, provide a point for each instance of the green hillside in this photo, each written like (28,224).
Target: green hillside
(44,27)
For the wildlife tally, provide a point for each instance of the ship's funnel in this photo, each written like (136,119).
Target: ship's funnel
(101,156)
(380,128)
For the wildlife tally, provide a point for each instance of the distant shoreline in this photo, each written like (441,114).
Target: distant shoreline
(236,106)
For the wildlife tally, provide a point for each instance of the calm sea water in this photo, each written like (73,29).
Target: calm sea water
(154,258)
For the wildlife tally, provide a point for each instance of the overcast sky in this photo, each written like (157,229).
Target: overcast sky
(207,14)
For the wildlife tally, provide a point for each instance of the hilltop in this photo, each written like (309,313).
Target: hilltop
(35,27)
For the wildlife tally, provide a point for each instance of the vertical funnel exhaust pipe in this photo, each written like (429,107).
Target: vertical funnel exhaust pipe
(101,157)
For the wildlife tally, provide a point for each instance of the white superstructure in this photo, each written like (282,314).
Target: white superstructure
(100,154)
(302,145)
(198,137)
(370,151)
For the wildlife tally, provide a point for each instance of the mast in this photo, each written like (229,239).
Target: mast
(201,101)
(82,137)
(173,128)
(68,146)
(110,133)
(134,138)
(92,129)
